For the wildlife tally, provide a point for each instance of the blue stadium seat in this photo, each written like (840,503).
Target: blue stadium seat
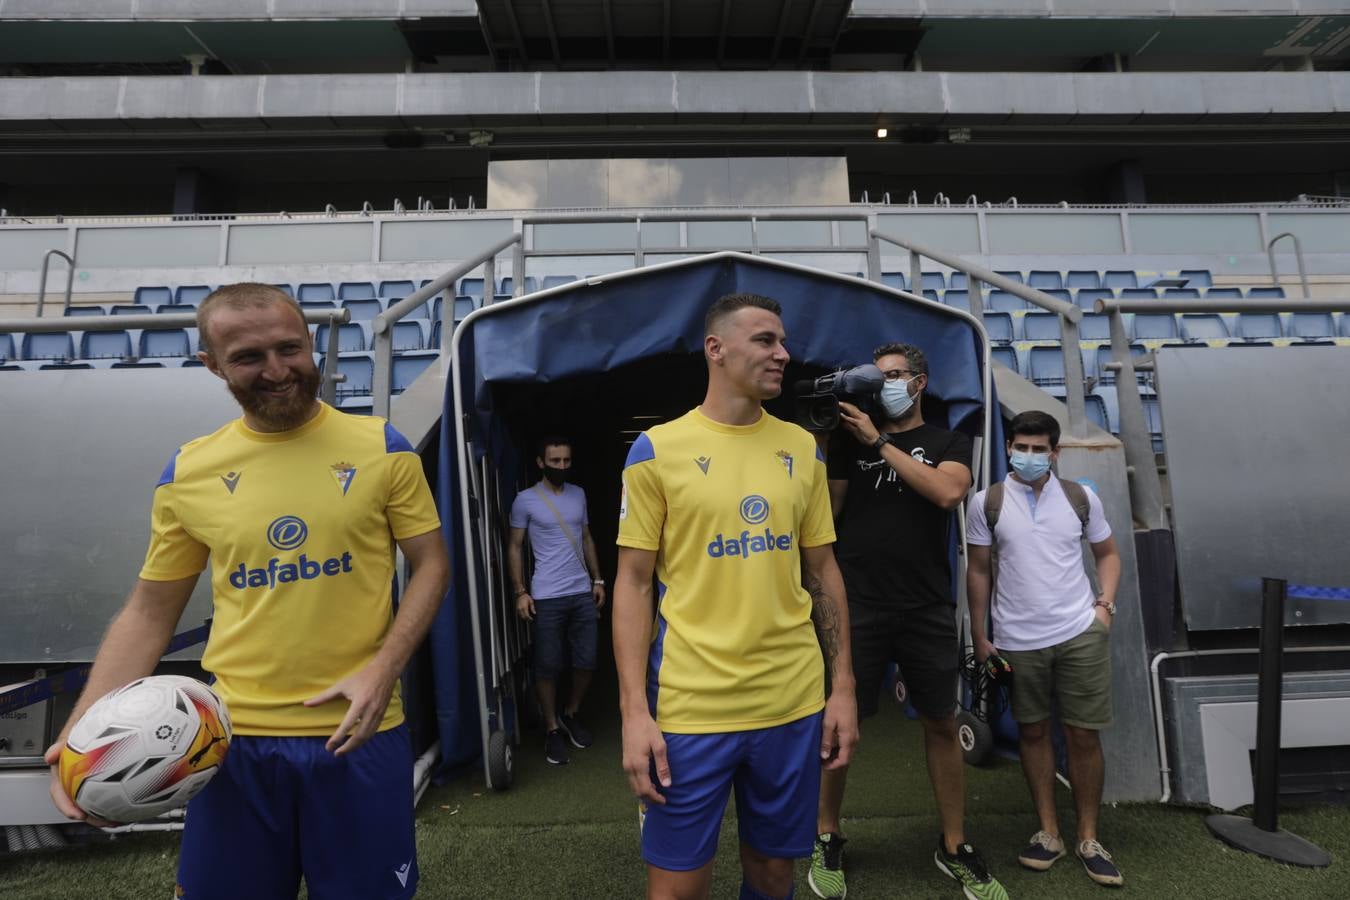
(1120,278)
(356,406)
(552,281)
(1153,327)
(1059,294)
(463,306)
(1197,278)
(1082,278)
(1153,416)
(193,363)
(1138,293)
(933,296)
(1045,280)
(363,310)
(1104,356)
(1345,324)
(6,347)
(1042,327)
(1003,301)
(47,345)
(131,309)
(420,313)
(1309,326)
(153,295)
(286,289)
(1045,365)
(1007,356)
(139,364)
(396,290)
(1259,326)
(1266,293)
(171,343)
(407,336)
(191,294)
(434,341)
(890,279)
(1095,407)
(500,298)
(360,372)
(1087,297)
(1181,293)
(934,281)
(316,291)
(959,281)
(1223,293)
(176,309)
(472,287)
(1012,276)
(105,345)
(97,310)
(356,290)
(1204,327)
(957,299)
(531,285)
(351,337)
(1095,327)
(1000,327)
(66,365)
(408,367)
(317,304)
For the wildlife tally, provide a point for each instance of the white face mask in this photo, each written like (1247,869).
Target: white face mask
(895,398)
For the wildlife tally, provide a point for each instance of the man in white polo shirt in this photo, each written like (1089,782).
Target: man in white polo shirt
(1051,626)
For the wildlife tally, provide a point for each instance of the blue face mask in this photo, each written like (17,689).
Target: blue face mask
(895,399)
(1030,466)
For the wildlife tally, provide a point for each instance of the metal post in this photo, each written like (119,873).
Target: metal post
(42,282)
(331,375)
(1298,255)
(1145,485)
(915,273)
(975,292)
(518,263)
(490,281)
(1073,377)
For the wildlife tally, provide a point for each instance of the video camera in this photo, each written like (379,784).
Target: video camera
(818,398)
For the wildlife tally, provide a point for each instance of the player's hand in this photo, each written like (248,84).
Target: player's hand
(60,799)
(369,691)
(525,607)
(598,593)
(643,747)
(984,648)
(1102,616)
(839,730)
(858,423)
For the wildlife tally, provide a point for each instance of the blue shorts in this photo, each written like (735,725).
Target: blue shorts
(558,620)
(776,775)
(282,807)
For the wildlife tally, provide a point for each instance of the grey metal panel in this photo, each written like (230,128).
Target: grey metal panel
(23,248)
(641,93)
(1316,234)
(1107,95)
(954,232)
(120,247)
(817,180)
(173,98)
(336,242)
(439,239)
(83,451)
(578,183)
(74,9)
(1054,233)
(921,94)
(201,9)
(1195,233)
(340,96)
(638,182)
(1254,456)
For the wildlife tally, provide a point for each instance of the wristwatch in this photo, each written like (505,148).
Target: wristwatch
(1109,606)
(599,582)
(882,440)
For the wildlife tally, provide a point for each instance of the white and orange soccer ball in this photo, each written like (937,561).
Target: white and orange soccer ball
(145,748)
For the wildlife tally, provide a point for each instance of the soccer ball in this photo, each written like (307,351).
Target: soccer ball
(146,748)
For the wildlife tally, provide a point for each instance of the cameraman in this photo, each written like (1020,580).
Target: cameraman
(893,486)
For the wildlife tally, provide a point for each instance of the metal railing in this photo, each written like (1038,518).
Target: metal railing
(1146,496)
(1298,254)
(42,279)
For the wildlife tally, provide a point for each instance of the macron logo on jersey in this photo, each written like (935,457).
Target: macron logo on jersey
(755,511)
(288,533)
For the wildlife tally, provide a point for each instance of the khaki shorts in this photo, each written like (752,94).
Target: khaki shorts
(1076,674)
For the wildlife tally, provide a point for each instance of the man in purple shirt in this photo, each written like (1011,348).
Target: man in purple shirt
(563,597)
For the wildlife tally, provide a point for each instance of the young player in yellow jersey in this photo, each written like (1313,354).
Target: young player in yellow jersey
(721,679)
(299,508)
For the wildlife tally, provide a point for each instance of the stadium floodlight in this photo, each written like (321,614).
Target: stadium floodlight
(882,132)
(958,135)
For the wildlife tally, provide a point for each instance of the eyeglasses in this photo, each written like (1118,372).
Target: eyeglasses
(894,375)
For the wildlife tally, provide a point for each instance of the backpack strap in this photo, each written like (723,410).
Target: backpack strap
(993,505)
(1077,495)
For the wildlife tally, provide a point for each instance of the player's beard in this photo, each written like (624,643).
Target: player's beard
(281,413)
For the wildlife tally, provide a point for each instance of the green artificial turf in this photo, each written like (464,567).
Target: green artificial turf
(571,832)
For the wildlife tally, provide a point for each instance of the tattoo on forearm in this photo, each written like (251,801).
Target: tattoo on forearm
(825,617)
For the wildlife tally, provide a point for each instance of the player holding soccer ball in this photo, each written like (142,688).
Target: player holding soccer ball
(299,508)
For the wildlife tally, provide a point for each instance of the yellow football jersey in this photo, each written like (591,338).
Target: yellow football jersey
(300,529)
(727,508)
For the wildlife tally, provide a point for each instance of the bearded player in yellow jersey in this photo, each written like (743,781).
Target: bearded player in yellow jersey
(299,508)
(721,674)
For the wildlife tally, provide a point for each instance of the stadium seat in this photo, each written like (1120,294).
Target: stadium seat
(1000,327)
(152,295)
(1087,297)
(1197,278)
(434,340)
(1095,407)
(1059,294)
(360,372)
(356,290)
(463,306)
(407,336)
(105,345)
(1045,365)
(934,281)
(1203,327)
(6,348)
(317,304)
(47,345)
(500,298)
(176,309)
(1119,278)
(1309,326)
(396,290)
(1104,355)
(1223,293)
(890,279)
(959,281)
(1259,326)
(1153,417)
(66,365)
(138,364)
(316,291)
(408,367)
(351,337)
(1138,293)
(1003,301)
(471,287)
(131,309)
(1266,293)
(1082,278)
(1045,280)
(932,296)
(1007,356)
(356,406)
(1095,327)
(1011,276)
(191,294)
(1041,327)
(531,285)
(363,310)
(552,281)
(957,299)
(87,311)
(1181,293)
(1153,327)
(286,289)
(171,343)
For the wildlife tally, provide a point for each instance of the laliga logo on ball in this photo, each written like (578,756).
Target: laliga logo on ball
(145,749)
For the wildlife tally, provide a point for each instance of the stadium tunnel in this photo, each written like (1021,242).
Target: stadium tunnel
(599,361)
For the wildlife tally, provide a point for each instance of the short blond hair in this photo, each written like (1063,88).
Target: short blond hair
(244,295)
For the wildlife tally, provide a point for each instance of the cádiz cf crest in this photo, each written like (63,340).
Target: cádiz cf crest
(344,473)
(785,458)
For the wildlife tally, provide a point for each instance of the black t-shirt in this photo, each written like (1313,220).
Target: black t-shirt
(892,542)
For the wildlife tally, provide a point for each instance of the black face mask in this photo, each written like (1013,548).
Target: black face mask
(556,477)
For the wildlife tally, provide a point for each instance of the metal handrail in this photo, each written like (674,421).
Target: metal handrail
(42,283)
(382,326)
(1298,255)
